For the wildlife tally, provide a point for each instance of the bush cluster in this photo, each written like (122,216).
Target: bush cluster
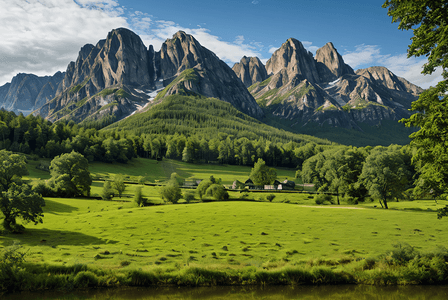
(323,199)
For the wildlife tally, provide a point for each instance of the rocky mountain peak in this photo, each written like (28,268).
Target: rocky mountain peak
(383,76)
(124,59)
(85,51)
(250,70)
(295,60)
(28,91)
(331,63)
(181,52)
(212,76)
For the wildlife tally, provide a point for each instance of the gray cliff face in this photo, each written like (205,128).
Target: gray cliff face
(116,75)
(27,92)
(122,58)
(328,91)
(390,86)
(120,61)
(250,70)
(213,77)
(330,63)
(293,58)
(183,52)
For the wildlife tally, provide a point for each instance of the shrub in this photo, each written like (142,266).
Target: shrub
(403,253)
(11,261)
(189,196)
(41,188)
(351,200)
(217,191)
(270,197)
(322,198)
(107,193)
(85,279)
(369,263)
(171,192)
(138,197)
(245,195)
(203,186)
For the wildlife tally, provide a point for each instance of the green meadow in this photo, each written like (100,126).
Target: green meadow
(160,171)
(255,235)
(119,235)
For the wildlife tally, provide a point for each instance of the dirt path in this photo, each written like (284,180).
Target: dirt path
(346,207)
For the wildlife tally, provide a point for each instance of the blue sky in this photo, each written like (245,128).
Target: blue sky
(43,36)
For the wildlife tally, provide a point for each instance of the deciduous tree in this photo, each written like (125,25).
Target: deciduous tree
(17,199)
(385,174)
(12,165)
(262,174)
(107,192)
(70,176)
(118,184)
(428,20)
(171,191)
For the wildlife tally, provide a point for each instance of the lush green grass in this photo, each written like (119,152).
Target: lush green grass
(229,242)
(159,171)
(34,173)
(119,235)
(152,170)
(227,173)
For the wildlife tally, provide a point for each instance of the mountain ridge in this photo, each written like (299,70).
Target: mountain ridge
(119,76)
(326,91)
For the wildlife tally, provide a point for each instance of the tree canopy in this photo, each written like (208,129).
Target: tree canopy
(171,191)
(385,174)
(428,20)
(262,174)
(70,176)
(12,165)
(17,199)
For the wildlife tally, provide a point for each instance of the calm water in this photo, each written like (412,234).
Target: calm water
(243,293)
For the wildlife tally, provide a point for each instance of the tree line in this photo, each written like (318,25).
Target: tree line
(37,136)
(383,173)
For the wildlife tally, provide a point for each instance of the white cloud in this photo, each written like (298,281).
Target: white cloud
(409,68)
(230,52)
(363,55)
(273,49)
(309,46)
(255,2)
(43,36)
(239,40)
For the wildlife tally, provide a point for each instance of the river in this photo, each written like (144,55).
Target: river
(359,292)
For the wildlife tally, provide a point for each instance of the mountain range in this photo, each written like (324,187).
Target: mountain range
(297,87)
(119,77)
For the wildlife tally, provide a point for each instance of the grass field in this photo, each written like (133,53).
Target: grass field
(290,231)
(159,171)
(118,234)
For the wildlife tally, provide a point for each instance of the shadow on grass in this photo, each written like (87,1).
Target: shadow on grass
(169,166)
(53,238)
(53,207)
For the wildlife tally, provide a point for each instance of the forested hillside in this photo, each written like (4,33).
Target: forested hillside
(189,128)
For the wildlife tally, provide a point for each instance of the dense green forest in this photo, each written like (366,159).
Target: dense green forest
(193,129)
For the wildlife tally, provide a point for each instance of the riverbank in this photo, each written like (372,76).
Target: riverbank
(403,265)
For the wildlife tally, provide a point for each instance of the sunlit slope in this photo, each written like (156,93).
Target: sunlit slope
(190,115)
